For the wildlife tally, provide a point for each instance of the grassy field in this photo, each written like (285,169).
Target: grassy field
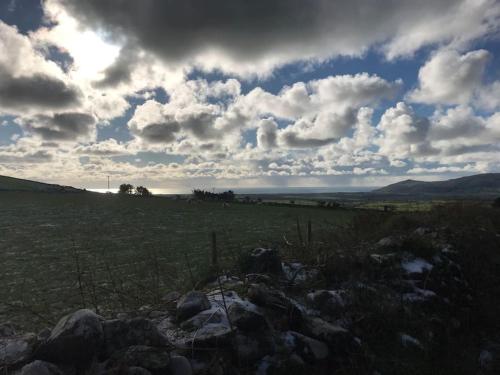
(111,253)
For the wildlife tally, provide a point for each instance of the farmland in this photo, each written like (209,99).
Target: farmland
(111,253)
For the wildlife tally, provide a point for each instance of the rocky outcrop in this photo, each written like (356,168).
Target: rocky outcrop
(266,324)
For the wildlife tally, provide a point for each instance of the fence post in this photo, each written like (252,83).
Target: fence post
(299,233)
(214,249)
(309,232)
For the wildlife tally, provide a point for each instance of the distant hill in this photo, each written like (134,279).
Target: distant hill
(480,184)
(17,184)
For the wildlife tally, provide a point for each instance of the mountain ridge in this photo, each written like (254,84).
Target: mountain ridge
(486,183)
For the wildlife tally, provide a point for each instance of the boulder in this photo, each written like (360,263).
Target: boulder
(311,350)
(336,337)
(7,330)
(263,261)
(16,350)
(246,317)
(171,297)
(75,340)
(211,316)
(327,302)
(156,360)
(41,368)
(119,334)
(191,304)
(252,347)
(180,365)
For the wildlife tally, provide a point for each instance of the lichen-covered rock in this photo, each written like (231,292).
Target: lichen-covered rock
(191,304)
(119,334)
(246,317)
(41,368)
(16,350)
(75,340)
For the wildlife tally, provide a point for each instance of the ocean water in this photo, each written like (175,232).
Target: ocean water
(263,190)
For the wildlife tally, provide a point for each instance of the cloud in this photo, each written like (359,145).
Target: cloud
(403,134)
(70,126)
(29,82)
(450,78)
(38,91)
(267,134)
(255,37)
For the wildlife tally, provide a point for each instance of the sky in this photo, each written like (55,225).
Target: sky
(245,94)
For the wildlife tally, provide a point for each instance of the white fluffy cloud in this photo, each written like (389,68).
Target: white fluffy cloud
(450,78)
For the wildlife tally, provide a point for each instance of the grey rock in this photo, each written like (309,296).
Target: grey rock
(252,347)
(16,350)
(7,330)
(330,303)
(247,317)
(310,349)
(147,357)
(180,365)
(191,304)
(41,368)
(134,370)
(211,316)
(119,334)
(75,339)
(264,261)
(171,297)
(331,334)
(390,241)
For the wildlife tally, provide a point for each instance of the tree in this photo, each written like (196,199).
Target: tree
(126,189)
(142,191)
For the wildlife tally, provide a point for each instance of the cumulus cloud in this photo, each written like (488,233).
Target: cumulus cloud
(69,126)
(267,134)
(29,82)
(450,78)
(254,37)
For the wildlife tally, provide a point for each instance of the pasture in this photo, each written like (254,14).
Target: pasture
(63,251)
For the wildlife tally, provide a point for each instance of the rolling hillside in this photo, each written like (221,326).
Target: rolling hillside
(481,184)
(17,184)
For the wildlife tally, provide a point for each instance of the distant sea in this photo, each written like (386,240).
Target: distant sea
(263,190)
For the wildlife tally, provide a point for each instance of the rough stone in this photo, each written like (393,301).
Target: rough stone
(147,357)
(119,334)
(75,339)
(333,335)
(191,304)
(330,303)
(41,368)
(264,261)
(180,365)
(310,349)
(16,350)
(246,317)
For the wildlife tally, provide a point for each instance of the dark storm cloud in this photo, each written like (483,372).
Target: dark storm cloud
(243,29)
(36,91)
(157,133)
(61,126)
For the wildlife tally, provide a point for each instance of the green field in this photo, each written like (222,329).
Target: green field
(63,251)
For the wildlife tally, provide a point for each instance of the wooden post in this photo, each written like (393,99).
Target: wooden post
(214,249)
(299,233)
(309,232)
